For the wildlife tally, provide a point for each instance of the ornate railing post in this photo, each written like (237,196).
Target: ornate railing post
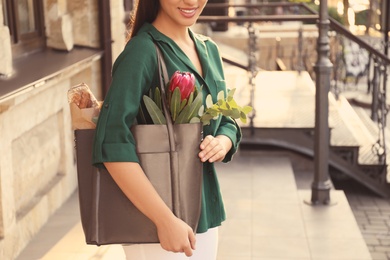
(375,91)
(386,46)
(253,69)
(321,183)
(300,50)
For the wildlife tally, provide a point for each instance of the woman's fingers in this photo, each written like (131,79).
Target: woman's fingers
(206,141)
(191,246)
(177,237)
(211,149)
(192,239)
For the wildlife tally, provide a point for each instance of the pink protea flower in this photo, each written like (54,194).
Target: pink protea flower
(185,81)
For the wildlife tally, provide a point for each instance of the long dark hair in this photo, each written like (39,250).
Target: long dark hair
(145,11)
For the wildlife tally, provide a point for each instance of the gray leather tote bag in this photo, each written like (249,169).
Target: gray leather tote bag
(169,157)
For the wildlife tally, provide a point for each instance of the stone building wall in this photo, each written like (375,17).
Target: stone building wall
(37,157)
(118,27)
(5,46)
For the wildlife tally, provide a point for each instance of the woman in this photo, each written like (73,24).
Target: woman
(166,23)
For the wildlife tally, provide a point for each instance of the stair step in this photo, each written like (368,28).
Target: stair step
(284,99)
(284,102)
(341,134)
(364,137)
(236,55)
(373,129)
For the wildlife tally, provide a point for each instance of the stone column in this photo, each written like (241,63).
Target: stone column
(59,28)
(5,47)
(118,27)
(85,16)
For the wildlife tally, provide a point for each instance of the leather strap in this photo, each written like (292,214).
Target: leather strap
(164,79)
(163,75)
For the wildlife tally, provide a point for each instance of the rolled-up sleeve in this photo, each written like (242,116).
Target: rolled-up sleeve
(229,128)
(134,72)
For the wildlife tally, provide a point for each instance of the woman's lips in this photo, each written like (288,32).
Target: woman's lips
(188,12)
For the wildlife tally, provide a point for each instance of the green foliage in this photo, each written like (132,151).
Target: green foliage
(332,11)
(154,111)
(157,98)
(335,15)
(175,104)
(361,18)
(192,110)
(227,107)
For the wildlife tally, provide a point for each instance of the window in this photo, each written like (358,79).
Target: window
(25,21)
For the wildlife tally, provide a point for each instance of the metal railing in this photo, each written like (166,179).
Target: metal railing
(376,70)
(256,15)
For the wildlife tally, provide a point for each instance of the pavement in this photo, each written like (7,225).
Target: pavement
(269,218)
(371,212)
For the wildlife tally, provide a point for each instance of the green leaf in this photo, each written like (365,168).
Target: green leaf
(190,99)
(243,117)
(205,121)
(206,118)
(232,103)
(194,120)
(157,97)
(154,112)
(142,116)
(190,111)
(231,92)
(181,118)
(201,111)
(247,109)
(175,104)
(227,112)
(212,111)
(228,106)
(183,104)
(230,95)
(235,113)
(209,101)
(221,95)
(223,105)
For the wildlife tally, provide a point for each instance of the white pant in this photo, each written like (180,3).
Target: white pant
(206,249)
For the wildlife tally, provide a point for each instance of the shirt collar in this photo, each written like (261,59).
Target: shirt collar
(199,40)
(158,36)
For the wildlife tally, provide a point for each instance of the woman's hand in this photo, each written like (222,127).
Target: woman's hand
(176,236)
(214,149)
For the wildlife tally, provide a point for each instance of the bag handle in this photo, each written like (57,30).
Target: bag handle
(162,71)
(163,75)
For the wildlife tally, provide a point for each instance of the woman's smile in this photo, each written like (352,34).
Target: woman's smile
(188,12)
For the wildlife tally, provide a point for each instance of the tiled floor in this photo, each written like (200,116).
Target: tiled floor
(273,220)
(267,220)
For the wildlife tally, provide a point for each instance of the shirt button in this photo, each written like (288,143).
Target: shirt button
(106,105)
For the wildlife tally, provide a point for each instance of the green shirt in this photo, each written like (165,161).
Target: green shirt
(134,73)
